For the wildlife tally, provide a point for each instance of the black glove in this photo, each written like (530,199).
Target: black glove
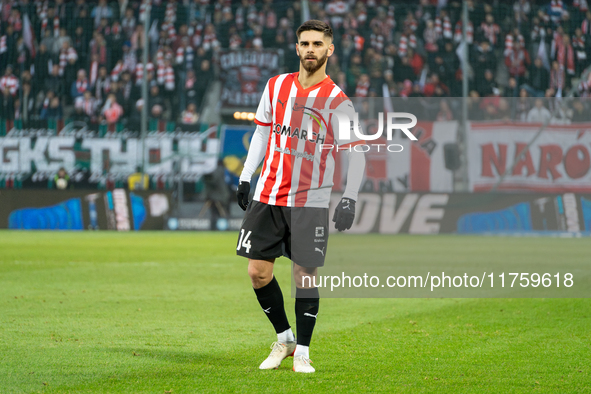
(344,214)
(242,194)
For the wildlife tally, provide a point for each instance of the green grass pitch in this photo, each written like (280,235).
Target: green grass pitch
(174,312)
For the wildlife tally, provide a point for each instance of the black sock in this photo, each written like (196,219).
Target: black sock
(306,310)
(271,299)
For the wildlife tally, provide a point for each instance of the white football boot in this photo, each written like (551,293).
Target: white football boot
(280,351)
(302,364)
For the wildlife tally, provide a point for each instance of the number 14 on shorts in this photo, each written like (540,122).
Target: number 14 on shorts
(244,241)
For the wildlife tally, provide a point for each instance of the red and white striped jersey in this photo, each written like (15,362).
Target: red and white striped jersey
(296,171)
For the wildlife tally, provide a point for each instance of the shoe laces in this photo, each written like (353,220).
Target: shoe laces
(305,360)
(276,347)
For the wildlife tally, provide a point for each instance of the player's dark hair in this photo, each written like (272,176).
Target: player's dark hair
(315,25)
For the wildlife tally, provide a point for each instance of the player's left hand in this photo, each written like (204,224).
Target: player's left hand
(344,214)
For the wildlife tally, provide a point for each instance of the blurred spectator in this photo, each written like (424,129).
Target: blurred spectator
(435,87)
(102,10)
(155,103)
(61,180)
(404,71)
(444,111)
(490,31)
(512,89)
(580,46)
(483,58)
(79,86)
(389,85)
(205,76)
(557,77)
(125,95)
(565,56)
(27,105)
(517,61)
(444,70)
(556,10)
(511,39)
(9,81)
(217,194)
(415,61)
(503,111)
(332,67)
(128,23)
(539,113)
(53,111)
(356,69)
(579,114)
(407,88)
(362,88)
(430,38)
(87,105)
(487,86)
(474,110)
(112,111)
(522,10)
(189,115)
(7,108)
(539,79)
(41,65)
(522,106)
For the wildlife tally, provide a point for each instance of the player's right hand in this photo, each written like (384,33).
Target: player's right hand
(242,194)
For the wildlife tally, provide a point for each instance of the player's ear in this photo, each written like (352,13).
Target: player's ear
(330,50)
(297,49)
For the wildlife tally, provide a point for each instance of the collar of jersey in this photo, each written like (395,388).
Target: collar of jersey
(300,88)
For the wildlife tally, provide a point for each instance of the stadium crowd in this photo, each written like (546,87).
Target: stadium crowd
(82,60)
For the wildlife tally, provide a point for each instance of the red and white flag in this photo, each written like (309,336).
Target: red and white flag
(29,35)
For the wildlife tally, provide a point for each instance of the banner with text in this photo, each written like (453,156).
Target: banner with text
(467,213)
(558,158)
(35,156)
(244,74)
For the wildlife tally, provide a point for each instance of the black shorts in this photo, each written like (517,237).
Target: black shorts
(298,233)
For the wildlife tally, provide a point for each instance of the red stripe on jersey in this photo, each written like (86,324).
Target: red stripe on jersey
(283,95)
(262,124)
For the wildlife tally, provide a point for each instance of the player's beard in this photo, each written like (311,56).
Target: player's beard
(312,67)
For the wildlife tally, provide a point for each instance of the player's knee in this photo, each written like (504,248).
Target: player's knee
(259,276)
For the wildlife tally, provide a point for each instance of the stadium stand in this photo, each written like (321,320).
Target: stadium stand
(64,61)
(82,60)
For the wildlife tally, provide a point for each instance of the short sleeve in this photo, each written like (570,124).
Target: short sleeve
(345,106)
(264,115)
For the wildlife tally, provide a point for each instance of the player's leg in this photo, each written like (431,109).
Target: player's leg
(306,310)
(270,298)
(309,239)
(260,240)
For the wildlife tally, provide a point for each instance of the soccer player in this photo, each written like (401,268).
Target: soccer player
(288,216)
